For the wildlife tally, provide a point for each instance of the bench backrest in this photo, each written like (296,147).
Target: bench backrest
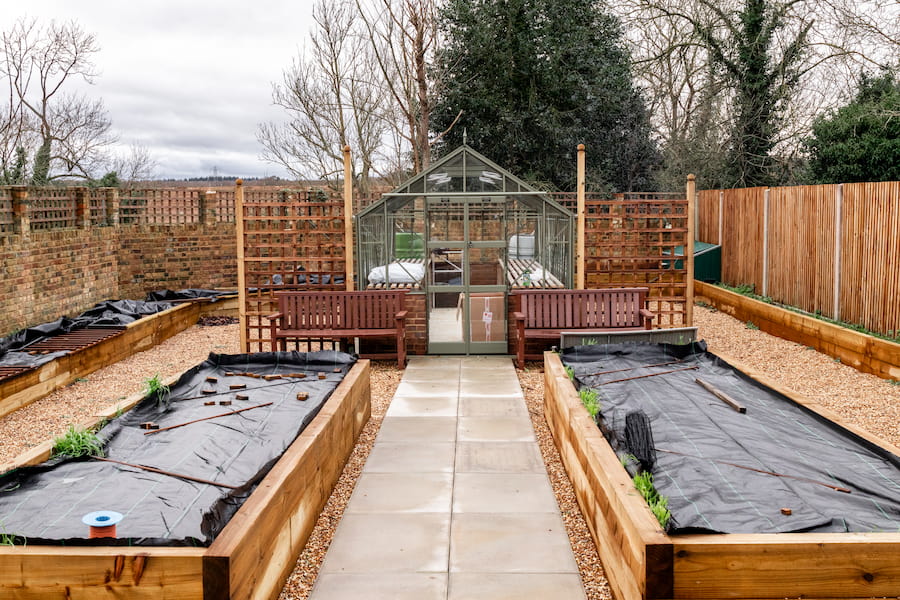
(581,309)
(373,309)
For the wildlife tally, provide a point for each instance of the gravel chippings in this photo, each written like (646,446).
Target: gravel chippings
(592,577)
(385,377)
(862,399)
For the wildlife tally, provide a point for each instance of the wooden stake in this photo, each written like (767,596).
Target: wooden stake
(233,412)
(168,473)
(722,396)
(650,375)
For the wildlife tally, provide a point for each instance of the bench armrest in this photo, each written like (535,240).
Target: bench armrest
(401,315)
(646,317)
(518,316)
(273,316)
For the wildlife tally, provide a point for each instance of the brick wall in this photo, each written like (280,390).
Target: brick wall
(48,274)
(175,257)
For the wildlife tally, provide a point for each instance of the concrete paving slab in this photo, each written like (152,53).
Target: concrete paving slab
(427,389)
(381,586)
(503,493)
(401,493)
(417,429)
(510,543)
(389,543)
(423,407)
(495,387)
(399,457)
(515,586)
(495,429)
(494,406)
(498,457)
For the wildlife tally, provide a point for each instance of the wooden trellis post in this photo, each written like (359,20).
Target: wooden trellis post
(580,262)
(689,251)
(241,276)
(348,220)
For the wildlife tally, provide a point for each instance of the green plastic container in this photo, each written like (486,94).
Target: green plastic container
(707,261)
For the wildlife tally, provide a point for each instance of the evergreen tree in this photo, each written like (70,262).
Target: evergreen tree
(528,80)
(859,141)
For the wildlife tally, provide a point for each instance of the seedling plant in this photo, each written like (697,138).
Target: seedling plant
(590,400)
(156,388)
(659,504)
(77,442)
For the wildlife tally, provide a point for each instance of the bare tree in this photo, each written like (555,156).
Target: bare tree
(333,99)
(66,133)
(404,36)
(133,166)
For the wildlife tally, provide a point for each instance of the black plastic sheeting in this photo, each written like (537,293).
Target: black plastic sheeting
(45,504)
(109,313)
(775,434)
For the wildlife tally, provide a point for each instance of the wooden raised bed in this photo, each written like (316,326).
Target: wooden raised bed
(642,561)
(250,558)
(863,352)
(139,335)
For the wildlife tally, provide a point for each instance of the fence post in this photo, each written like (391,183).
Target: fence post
(207,208)
(82,208)
(765,248)
(721,214)
(838,221)
(241,273)
(580,259)
(112,207)
(689,250)
(21,219)
(348,221)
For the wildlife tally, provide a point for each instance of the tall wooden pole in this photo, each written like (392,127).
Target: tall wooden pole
(579,248)
(348,219)
(689,251)
(241,267)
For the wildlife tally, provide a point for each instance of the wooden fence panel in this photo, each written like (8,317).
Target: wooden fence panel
(801,247)
(708,209)
(870,264)
(742,227)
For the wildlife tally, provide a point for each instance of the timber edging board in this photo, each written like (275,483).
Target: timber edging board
(642,562)
(863,352)
(250,558)
(138,336)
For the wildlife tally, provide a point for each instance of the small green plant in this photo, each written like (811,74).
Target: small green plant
(659,504)
(80,379)
(570,372)
(751,325)
(894,381)
(154,387)
(628,459)
(77,442)
(590,400)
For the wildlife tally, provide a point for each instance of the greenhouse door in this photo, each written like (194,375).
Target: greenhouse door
(466,287)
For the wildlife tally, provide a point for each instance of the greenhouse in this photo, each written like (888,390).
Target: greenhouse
(465,232)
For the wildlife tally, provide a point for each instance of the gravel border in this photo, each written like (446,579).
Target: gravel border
(862,399)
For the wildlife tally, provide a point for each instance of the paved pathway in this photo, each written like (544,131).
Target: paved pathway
(454,501)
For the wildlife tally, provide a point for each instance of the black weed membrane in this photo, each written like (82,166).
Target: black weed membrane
(775,467)
(179,464)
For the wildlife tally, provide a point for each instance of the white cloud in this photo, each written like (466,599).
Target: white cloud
(190,80)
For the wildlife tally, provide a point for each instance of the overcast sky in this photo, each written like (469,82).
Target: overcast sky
(189,79)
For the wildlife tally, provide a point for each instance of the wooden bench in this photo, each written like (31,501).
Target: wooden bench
(340,316)
(544,314)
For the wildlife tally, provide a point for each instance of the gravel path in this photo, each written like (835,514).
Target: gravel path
(863,400)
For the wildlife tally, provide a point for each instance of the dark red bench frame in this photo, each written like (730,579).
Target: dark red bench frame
(544,314)
(335,315)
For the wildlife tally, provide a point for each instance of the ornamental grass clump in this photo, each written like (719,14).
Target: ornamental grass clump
(156,388)
(77,442)
(591,401)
